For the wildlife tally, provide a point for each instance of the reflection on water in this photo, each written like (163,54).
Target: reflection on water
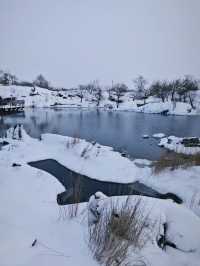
(121,130)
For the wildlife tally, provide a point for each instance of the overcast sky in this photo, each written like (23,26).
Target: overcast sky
(76,41)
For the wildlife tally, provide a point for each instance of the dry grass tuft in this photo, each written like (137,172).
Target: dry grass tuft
(73,208)
(73,141)
(174,160)
(120,227)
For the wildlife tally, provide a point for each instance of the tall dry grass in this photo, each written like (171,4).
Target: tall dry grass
(174,160)
(120,227)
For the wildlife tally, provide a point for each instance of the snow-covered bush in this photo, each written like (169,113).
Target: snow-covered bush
(118,228)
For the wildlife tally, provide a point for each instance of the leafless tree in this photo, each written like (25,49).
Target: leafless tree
(40,81)
(141,92)
(119,91)
(98,95)
(81,92)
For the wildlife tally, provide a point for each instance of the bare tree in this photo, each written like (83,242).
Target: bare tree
(160,89)
(81,92)
(190,86)
(98,95)
(141,92)
(7,78)
(119,90)
(40,81)
(175,87)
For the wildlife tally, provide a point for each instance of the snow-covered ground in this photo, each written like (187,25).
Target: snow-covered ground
(98,162)
(46,98)
(178,220)
(29,210)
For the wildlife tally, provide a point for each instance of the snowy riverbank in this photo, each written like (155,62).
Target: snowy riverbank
(98,162)
(29,211)
(69,99)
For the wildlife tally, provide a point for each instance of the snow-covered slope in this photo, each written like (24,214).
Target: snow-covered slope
(46,98)
(29,211)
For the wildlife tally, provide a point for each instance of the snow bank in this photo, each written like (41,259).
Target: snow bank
(175,144)
(178,108)
(29,210)
(159,135)
(91,159)
(100,162)
(159,212)
(46,98)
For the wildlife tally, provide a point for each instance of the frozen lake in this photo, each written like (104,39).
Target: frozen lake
(121,130)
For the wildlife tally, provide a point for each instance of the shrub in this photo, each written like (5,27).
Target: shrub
(174,160)
(119,228)
(72,141)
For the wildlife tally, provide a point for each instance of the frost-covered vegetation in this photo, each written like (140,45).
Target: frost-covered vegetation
(180,96)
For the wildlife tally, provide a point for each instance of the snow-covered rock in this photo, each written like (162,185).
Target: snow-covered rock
(176,144)
(159,135)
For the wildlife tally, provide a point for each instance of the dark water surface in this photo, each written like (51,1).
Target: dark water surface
(121,130)
(79,188)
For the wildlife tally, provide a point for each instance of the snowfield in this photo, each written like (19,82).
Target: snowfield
(69,99)
(29,210)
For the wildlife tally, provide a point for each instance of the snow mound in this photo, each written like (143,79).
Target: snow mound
(159,213)
(176,144)
(159,135)
(17,133)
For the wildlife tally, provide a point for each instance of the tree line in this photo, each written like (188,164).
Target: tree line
(182,89)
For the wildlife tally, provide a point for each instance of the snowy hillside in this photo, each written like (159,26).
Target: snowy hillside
(71,98)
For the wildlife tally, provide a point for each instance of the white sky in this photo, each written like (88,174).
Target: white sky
(76,41)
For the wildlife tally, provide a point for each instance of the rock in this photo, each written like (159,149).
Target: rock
(65,197)
(145,136)
(140,104)
(191,142)
(123,154)
(16,165)
(108,106)
(4,143)
(164,112)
